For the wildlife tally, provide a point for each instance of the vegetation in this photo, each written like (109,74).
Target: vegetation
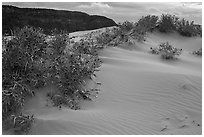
(188,29)
(148,23)
(30,61)
(128,32)
(21,73)
(49,19)
(166,51)
(167,23)
(70,69)
(198,52)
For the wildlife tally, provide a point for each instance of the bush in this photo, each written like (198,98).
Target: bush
(22,123)
(138,32)
(148,22)
(111,37)
(20,69)
(198,52)
(30,61)
(187,29)
(167,23)
(70,68)
(126,26)
(166,51)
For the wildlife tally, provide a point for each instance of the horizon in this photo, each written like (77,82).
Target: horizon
(118,11)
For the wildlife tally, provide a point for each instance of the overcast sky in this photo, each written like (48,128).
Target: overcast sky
(121,11)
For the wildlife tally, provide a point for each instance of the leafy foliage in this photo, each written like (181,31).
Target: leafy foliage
(22,123)
(166,51)
(167,23)
(21,62)
(72,68)
(188,29)
(198,52)
(148,22)
(30,61)
(126,26)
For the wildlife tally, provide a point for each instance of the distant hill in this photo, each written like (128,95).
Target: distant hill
(49,19)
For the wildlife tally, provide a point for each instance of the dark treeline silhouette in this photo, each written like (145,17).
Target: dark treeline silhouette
(49,19)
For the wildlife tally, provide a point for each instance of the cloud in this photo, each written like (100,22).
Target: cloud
(95,7)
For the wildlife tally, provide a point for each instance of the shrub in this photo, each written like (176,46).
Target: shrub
(22,123)
(138,32)
(198,52)
(126,26)
(148,22)
(20,69)
(29,60)
(166,51)
(111,37)
(167,23)
(187,29)
(70,68)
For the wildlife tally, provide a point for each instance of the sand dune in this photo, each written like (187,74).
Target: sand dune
(140,94)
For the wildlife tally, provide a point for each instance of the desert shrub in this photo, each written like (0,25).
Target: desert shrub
(21,61)
(138,32)
(148,22)
(22,123)
(166,51)
(187,29)
(127,32)
(198,30)
(167,23)
(154,50)
(30,61)
(70,66)
(110,37)
(198,52)
(144,25)
(126,26)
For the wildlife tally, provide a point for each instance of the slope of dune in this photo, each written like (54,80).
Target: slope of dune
(140,94)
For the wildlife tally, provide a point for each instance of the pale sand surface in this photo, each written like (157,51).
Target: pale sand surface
(140,94)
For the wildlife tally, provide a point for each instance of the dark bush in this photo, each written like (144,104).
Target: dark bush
(187,29)
(166,51)
(198,52)
(21,60)
(167,23)
(126,26)
(70,66)
(148,22)
(29,61)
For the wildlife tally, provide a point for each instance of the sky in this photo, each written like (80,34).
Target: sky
(122,11)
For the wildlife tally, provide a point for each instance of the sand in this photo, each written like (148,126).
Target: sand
(140,94)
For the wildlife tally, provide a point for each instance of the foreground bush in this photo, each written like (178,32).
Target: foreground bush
(20,69)
(30,61)
(71,69)
(198,52)
(166,51)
